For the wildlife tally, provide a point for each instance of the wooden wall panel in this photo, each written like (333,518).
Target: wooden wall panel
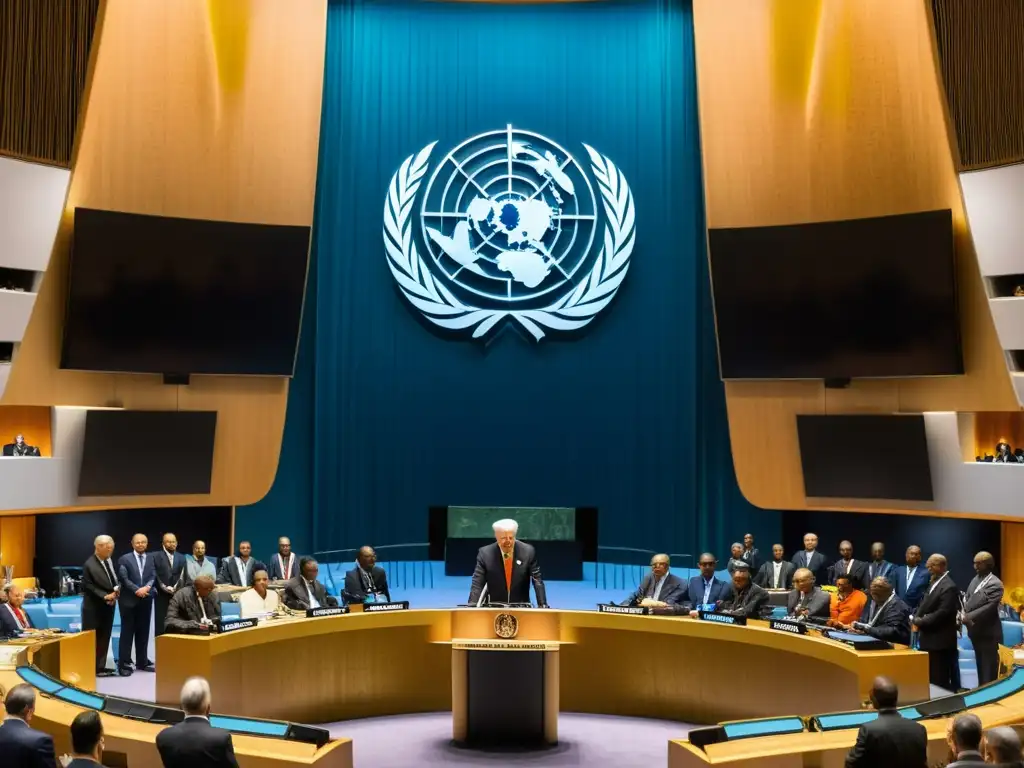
(196,109)
(841,118)
(990,428)
(1010,566)
(18,543)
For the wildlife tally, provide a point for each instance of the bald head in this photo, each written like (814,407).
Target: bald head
(937,565)
(803,580)
(203,585)
(1002,745)
(845,550)
(884,693)
(984,564)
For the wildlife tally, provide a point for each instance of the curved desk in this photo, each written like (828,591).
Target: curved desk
(372,664)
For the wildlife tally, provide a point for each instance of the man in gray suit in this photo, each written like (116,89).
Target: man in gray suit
(807,601)
(981,616)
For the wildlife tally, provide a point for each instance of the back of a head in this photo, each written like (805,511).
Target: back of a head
(20,699)
(86,732)
(884,693)
(1002,745)
(967,732)
(195,696)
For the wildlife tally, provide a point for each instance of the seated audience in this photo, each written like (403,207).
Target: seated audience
(284,565)
(777,573)
(1002,747)
(658,589)
(367,578)
(807,601)
(13,618)
(194,743)
(890,740)
(964,739)
(846,604)
(86,740)
(887,617)
(706,589)
(747,598)
(198,565)
(304,591)
(238,570)
(857,570)
(735,558)
(193,610)
(258,600)
(21,746)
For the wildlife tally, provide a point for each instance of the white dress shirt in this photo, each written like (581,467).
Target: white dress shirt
(251,604)
(776,575)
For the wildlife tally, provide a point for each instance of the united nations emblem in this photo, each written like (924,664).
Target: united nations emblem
(509,228)
(506,626)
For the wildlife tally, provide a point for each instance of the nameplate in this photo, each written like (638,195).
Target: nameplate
(722,618)
(232,624)
(633,610)
(507,645)
(333,610)
(793,627)
(381,607)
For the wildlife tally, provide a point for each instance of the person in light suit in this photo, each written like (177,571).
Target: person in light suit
(706,589)
(936,621)
(912,579)
(886,616)
(137,573)
(504,570)
(811,559)
(367,578)
(808,601)
(981,616)
(777,573)
(659,588)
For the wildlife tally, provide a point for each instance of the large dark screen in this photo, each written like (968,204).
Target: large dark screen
(840,299)
(865,457)
(152,294)
(143,453)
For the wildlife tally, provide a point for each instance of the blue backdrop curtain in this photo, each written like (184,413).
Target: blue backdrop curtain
(387,418)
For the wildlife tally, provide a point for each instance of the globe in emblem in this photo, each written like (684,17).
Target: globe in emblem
(509,227)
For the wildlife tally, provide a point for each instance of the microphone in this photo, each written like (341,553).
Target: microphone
(483,593)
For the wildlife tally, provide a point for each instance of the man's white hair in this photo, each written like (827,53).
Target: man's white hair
(506,525)
(195,696)
(102,539)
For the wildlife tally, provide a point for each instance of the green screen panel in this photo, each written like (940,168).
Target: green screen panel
(535,523)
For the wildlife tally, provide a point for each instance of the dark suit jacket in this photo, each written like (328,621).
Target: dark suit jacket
(912,593)
(25,747)
(982,608)
(184,614)
(892,625)
(936,617)
(230,574)
(816,566)
(765,575)
(490,570)
(274,570)
(858,573)
(884,569)
(297,598)
(748,604)
(131,579)
(194,743)
(890,741)
(166,574)
(720,590)
(752,558)
(8,624)
(967,758)
(355,586)
(79,762)
(673,590)
(819,604)
(95,586)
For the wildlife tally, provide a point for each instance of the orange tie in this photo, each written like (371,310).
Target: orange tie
(508,575)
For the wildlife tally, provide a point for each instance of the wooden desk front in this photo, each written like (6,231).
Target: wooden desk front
(372,664)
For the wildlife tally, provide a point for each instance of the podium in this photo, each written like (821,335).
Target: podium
(505,677)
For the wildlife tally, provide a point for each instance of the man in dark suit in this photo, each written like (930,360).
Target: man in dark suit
(193,610)
(21,746)
(238,570)
(284,565)
(807,601)
(86,740)
(879,567)
(935,621)
(856,570)
(1002,747)
(100,589)
(169,569)
(981,617)
(747,598)
(194,743)
(366,579)
(137,573)
(890,740)
(776,573)
(751,556)
(811,559)
(706,589)
(304,591)
(912,579)
(659,588)
(886,616)
(964,740)
(505,569)
(20,448)
(13,618)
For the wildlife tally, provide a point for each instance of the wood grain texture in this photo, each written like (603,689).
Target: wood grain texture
(18,543)
(839,119)
(1011,563)
(182,119)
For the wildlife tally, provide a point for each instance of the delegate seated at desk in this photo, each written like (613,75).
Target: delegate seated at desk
(304,591)
(807,601)
(706,589)
(847,604)
(747,598)
(659,588)
(20,448)
(193,610)
(887,617)
(367,578)
(258,600)
(13,618)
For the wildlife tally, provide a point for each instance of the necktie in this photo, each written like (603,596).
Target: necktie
(508,574)
(22,620)
(110,573)
(142,565)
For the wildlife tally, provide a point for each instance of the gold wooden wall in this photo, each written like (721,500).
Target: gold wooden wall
(814,110)
(44,55)
(18,543)
(195,108)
